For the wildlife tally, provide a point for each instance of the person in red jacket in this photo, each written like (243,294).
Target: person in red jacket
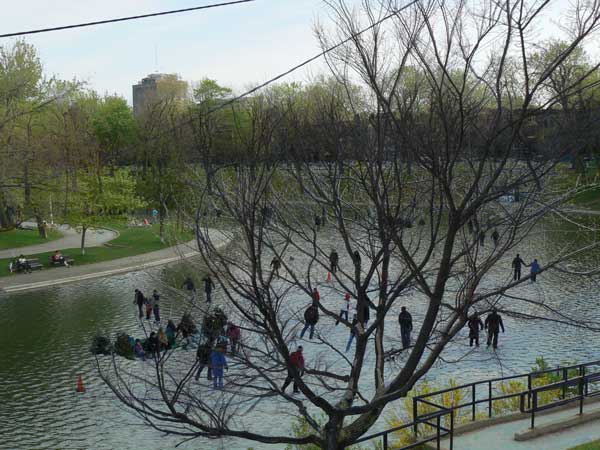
(234,335)
(296,360)
(316,297)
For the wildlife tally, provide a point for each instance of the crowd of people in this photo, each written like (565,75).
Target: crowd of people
(219,335)
(215,339)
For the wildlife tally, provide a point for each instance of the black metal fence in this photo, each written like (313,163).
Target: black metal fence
(434,420)
(576,382)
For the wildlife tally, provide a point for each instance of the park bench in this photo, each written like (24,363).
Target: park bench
(34,264)
(70,261)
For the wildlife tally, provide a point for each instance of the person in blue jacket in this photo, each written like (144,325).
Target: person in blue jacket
(535,269)
(218,363)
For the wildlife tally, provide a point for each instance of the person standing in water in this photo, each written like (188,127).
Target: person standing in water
(275,265)
(353,332)
(316,296)
(208,287)
(297,361)
(406,326)
(475,324)
(535,269)
(493,323)
(345,309)
(516,264)
(311,317)
(333,261)
(495,237)
(139,300)
(218,363)
(189,286)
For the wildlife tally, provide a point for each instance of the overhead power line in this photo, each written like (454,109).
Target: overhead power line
(311,59)
(293,69)
(123,19)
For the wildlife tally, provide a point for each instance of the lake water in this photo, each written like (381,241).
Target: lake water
(45,337)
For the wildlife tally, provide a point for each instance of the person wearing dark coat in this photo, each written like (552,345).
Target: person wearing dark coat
(356,257)
(275,265)
(516,264)
(153,344)
(208,287)
(333,261)
(203,358)
(406,326)
(189,286)
(139,300)
(495,237)
(475,324)
(311,317)
(366,312)
(493,323)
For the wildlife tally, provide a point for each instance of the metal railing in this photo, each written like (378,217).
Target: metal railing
(434,420)
(571,376)
(577,383)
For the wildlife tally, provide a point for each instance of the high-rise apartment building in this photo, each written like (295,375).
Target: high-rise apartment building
(145,92)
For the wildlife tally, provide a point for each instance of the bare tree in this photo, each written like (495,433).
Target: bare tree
(411,160)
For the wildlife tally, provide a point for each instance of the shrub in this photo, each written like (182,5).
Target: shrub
(123,346)
(101,345)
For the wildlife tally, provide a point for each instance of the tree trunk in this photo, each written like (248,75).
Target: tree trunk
(161,233)
(332,434)
(4,219)
(27,187)
(83,230)
(66,205)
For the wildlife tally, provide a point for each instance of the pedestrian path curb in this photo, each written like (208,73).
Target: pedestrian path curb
(226,240)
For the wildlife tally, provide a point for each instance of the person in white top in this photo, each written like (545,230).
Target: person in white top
(346,308)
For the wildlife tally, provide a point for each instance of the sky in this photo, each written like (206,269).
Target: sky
(237,45)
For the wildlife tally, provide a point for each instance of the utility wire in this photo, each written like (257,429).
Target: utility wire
(309,60)
(123,19)
(289,71)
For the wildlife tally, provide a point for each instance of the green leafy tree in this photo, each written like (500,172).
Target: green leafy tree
(92,206)
(115,129)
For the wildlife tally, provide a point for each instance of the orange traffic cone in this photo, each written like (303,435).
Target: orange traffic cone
(80,386)
(329,277)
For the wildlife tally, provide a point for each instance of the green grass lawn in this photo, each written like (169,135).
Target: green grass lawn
(22,238)
(131,241)
(588,199)
(589,446)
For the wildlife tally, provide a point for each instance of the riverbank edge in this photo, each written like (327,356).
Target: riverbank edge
(91,272)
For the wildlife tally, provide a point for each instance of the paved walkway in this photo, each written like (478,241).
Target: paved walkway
(501,437)
(63,275)
(585,212)
(70,239)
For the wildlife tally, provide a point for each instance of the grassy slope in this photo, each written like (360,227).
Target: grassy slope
(131,241)
(22,238)
(590,446)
